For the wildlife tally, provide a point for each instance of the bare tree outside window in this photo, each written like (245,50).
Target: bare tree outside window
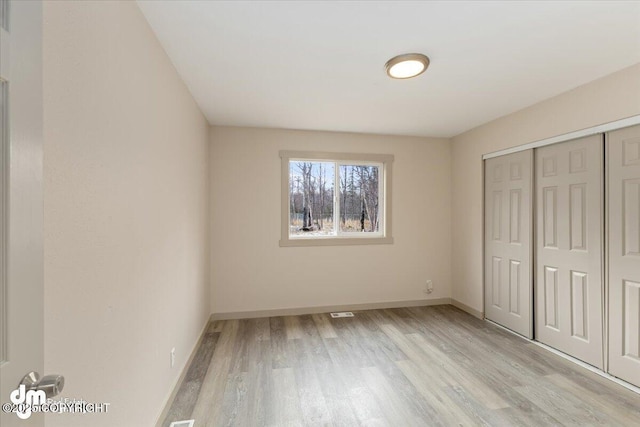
(359,196)
(311,192)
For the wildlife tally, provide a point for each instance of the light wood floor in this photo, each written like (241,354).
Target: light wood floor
(426,366)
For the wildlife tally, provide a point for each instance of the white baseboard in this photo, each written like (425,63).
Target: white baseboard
(183,374)
(464,307)
(326,309)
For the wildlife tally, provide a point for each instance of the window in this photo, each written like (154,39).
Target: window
(335,198)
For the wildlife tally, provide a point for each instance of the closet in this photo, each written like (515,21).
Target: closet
(562,247)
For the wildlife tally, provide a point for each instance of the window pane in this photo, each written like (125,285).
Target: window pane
(359,198)
(311,190)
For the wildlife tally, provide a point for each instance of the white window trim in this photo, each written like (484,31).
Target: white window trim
(384,236)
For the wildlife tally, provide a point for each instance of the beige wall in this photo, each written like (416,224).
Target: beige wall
(608,99)
(126,223)
(250,271)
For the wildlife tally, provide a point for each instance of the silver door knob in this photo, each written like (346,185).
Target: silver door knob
(52,385)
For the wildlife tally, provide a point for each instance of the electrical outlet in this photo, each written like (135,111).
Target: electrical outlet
(428,288)
(173,356)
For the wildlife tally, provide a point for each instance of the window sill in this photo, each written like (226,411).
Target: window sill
(336,241)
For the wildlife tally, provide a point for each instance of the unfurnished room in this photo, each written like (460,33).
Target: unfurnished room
(319,213)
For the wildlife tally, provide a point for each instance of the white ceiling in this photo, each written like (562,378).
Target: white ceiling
(320,64)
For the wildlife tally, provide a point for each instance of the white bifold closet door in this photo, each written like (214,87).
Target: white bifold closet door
(508,241)
(569,250)
(624,253)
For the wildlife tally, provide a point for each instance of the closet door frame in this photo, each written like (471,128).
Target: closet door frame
(603,128)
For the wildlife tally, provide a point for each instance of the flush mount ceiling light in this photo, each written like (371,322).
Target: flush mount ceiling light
(406,65)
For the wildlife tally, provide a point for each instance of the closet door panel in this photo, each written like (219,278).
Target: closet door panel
(569,228)
(624,253)
(508,241)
